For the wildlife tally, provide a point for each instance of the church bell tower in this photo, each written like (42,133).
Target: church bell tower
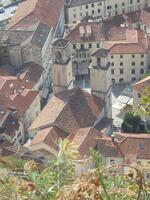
(62,76)
(100,78)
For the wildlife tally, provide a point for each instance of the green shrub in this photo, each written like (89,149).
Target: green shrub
(131,122)
(127,128)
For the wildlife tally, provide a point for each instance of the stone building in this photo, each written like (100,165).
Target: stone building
(19,106)
(62,76)
(100,78)
(72,112)
(31,12)
(130,60)
(124,150)
(80,10)
(125,37)
(19,47)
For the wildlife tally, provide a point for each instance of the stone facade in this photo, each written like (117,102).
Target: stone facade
(83,10)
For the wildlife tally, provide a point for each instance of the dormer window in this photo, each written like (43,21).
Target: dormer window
(98,60)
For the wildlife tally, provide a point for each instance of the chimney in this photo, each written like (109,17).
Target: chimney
(89,30)
(81,31)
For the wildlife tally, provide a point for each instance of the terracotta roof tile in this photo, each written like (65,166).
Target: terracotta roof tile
(85,139)
(127,48)
(30,12)
(142,84)
(73,35)
(17,93)
(145,18)
(11,126)
(129,146)
(75,106)
(49,136)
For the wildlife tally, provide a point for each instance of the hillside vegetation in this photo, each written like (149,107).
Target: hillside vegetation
(25,180)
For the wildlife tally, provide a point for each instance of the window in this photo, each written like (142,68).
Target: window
(133,56)
(82,46)
(86,6)
(99,4)
(133,63)
(92,4)
(74,46)
(74,15)
(133,71)
(121,80)
(112,56)
(112,64)
(123,4)
(133,79)
(121,63)
(90,45)
(131,1)
(113,81)
(98,45)
(99,10)
(141,71)
(142,56)
(116,6)
(112,71)
(121,56)
(139,95)
(92,11)
(80,14)
(98,60)
(121,71)
(138,1)
(108,7)
(142,63)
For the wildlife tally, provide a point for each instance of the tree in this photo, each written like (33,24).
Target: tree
(131,122)
(144,108)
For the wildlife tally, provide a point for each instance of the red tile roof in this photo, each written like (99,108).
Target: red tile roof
(75,106)
(23,102)
(145,18)
(142,84)
(86,139)
(17,93)
(73,35)
(49,136)
(11,126)
(128,146)
(30,12)
(124,48)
